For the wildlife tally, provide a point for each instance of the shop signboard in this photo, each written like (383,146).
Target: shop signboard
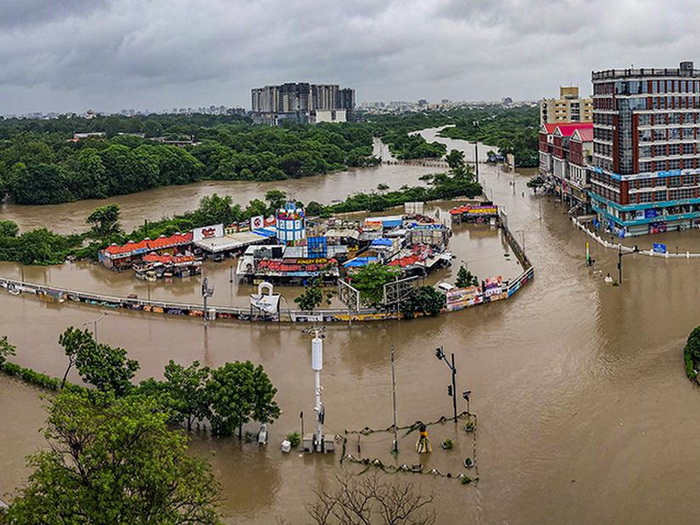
(208,232)
(483,210)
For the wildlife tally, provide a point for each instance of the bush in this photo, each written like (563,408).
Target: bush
(294,438)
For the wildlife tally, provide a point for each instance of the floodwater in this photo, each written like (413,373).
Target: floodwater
(167,201)
(585,414)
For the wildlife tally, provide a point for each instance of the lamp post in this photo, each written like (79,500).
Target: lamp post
(619,260)
(94,325)
(477,126)
(451,389)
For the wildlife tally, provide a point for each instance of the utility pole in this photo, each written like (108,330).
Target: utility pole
(395,445)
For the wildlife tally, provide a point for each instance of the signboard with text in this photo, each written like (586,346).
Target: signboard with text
(208,232)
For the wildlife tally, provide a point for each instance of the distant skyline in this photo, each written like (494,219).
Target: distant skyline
(107,55)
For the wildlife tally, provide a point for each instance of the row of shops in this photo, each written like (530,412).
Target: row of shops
(279,249)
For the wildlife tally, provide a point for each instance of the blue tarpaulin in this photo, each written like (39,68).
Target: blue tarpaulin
(382,242)
(360,261)
(264,232)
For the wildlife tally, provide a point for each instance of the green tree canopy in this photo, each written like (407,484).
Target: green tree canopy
(106,368)
(370,281)
(423,299)
(465,278)
(114,463)
(105,221)
(182,392)
(238,393)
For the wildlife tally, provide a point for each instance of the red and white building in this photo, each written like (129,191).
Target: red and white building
(565,151)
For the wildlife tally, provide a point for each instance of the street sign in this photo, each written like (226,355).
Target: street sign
(659,248)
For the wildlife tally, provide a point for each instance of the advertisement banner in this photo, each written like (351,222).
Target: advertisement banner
(659,248)
(257,222)
(208,232)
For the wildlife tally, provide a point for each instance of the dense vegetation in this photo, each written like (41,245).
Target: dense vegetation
(510,130)
(42,246)
(40,164)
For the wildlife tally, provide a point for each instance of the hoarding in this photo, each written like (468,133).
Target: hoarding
(208,232)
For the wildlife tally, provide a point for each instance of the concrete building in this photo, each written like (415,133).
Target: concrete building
(645,175)
(565,152)
(569,107)
(300,102)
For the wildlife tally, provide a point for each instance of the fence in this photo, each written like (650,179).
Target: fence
(626,249)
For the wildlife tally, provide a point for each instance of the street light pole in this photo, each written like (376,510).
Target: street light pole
(395,445)
(94,325)
(451,389)
(619,260)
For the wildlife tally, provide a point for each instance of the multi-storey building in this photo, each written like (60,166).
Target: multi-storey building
(645,175)
(300,101)
(565,152)
(569,107)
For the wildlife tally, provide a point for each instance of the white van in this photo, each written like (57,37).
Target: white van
(445,287)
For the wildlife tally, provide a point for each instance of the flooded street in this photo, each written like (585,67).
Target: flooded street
(585,414)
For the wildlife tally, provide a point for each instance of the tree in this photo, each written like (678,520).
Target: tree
(424,299)
(238,392)
(6,350)
(182,393)
(214,210)
(465,278)
(8,229)
(105,221)
(275,198)
(114,463)
(313,296)
(74,341)
(106,368)
(371,499)
(370,281)
(455,159)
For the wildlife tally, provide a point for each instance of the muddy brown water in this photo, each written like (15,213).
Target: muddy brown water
(585,415)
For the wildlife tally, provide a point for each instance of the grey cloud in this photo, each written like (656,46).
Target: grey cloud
(158,54)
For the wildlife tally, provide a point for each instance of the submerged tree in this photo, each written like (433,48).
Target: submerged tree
(105,367)
(465,278)
(424,299)
(114,463)
(370,281)
(371,498)
(105,221)
(238,393)
(182,393)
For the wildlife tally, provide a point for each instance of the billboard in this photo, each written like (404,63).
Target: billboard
(208,232)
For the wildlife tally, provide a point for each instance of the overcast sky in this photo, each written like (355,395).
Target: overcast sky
(73,55)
